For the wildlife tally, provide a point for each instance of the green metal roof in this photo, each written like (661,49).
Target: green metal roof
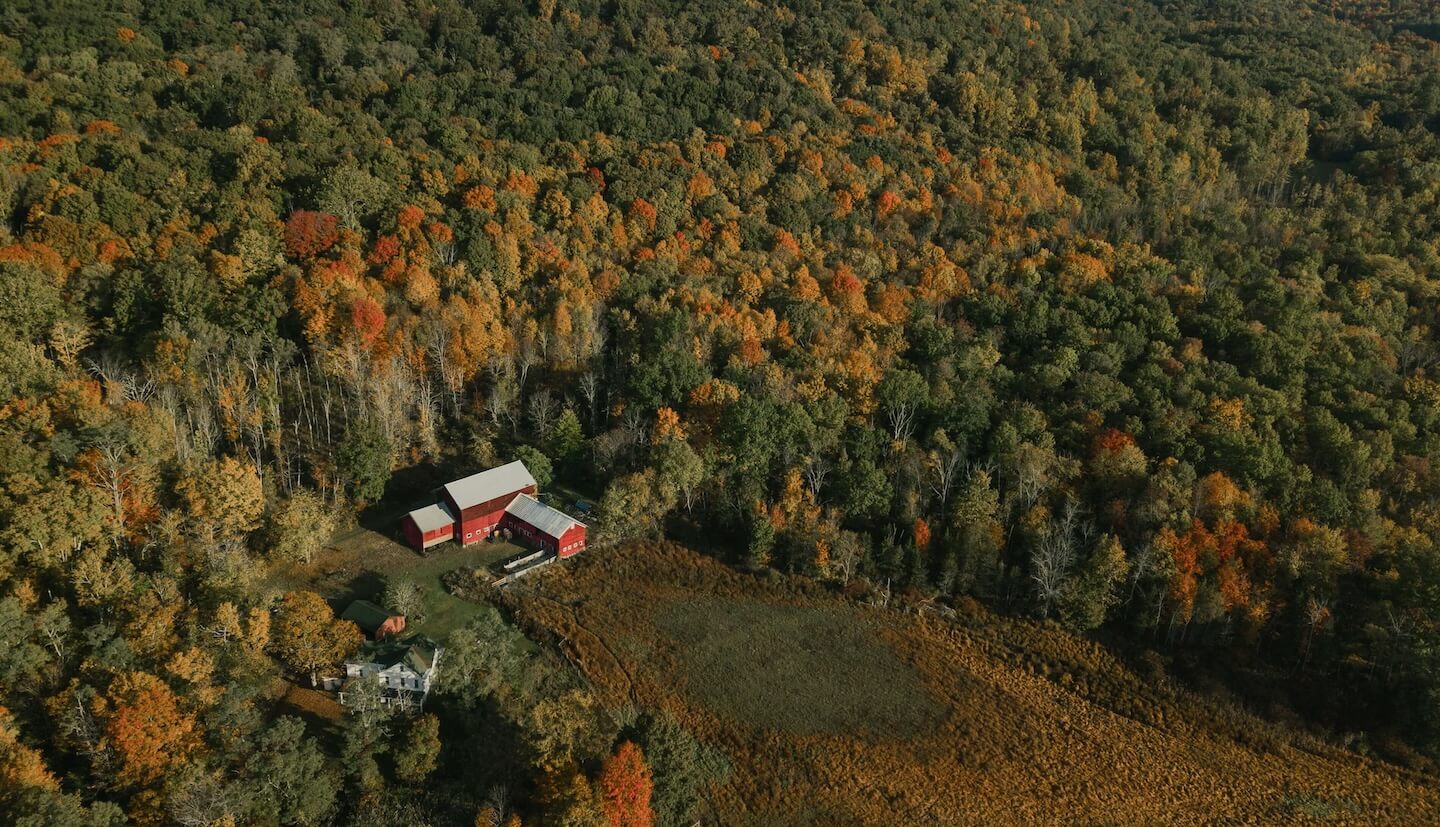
(366,615)
(416,652)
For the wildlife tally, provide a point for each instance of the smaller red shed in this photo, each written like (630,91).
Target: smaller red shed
(428,526)
(375,622)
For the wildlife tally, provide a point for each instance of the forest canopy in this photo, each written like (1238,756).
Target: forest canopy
(1116,314)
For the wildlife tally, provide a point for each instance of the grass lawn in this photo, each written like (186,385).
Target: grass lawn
(444,611)
(357,563)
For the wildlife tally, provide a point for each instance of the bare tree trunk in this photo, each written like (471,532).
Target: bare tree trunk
(590,390)
(945,469)
(816,470)
(113,481)
(902,421)
(542,411)
(1053,559)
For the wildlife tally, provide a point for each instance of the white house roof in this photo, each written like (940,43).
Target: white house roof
(541,516)
(432,517)
(487,485)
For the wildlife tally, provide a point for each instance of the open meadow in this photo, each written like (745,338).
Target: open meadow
(837,713)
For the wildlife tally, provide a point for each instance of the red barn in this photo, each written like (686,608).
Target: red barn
(554,531)
(479,500)
(474,508)
(425,527)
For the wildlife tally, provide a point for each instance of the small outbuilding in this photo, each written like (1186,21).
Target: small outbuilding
(374,621)
(429,526)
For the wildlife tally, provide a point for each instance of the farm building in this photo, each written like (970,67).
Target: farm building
(552,530)
(479,500)
(404,669)
(500,499)
(428,526)
(375,622)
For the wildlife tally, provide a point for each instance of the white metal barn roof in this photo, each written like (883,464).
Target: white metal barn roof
(487,485)
(432,517)
(541,516)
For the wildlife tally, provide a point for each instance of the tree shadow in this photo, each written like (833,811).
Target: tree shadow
(712,541)
(1425,29)
(408,489)
(367,585)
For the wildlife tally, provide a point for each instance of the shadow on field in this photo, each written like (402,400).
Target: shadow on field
(367,585)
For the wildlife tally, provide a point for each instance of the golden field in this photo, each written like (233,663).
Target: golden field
(833,712)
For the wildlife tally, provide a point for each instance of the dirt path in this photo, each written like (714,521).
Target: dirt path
(576,660)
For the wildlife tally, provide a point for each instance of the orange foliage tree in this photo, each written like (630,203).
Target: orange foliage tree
(147,729)
(21,767)
(921,532)
(1226,557)
(368,318)
(625,786)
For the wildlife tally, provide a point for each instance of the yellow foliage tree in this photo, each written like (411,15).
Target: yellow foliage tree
(226,495)
(21,767)
(308,637)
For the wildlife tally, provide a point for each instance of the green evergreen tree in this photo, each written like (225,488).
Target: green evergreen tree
(364,458)
(538,463)
(566,437)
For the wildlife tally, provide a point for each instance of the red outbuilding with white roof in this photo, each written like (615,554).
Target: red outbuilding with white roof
(429,526)
(544,526)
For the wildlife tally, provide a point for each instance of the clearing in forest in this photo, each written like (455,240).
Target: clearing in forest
(836,713)
(357,563)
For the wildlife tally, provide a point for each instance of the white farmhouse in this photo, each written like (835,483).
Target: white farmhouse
(403,669)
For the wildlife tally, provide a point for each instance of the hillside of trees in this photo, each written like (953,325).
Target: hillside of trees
(1121,316)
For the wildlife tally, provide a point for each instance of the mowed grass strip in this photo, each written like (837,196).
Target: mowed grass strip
(804,670)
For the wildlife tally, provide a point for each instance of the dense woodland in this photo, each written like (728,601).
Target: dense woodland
(1117,315)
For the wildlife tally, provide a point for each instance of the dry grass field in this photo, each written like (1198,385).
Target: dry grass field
(835,713)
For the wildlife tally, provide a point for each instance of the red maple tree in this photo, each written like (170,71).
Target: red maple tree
(309,233)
